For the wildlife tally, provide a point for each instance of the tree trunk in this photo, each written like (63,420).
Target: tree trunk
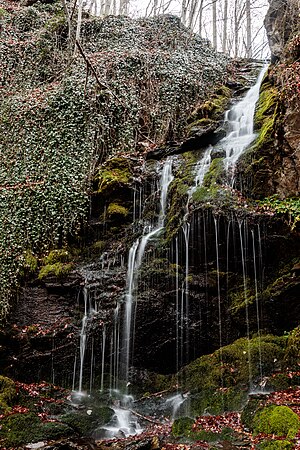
(184,11)
(192,14)
(225,24)
(200,13)
(248,30)
(107,7)
(214,23)
(78,28)
(236,30)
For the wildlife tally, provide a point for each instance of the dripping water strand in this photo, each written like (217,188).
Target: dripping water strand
(219,304)
(246,303)
(257,306)
(135,260)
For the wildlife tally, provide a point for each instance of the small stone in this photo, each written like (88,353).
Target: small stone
(36,445)
(218,153)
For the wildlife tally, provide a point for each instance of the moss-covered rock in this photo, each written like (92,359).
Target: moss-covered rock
(212,109)
(182,427)
(116,173)
(59,270)
(229,366)
(19,429)
(7,394)
(252,406)
(178,193)
(62,255)
(257,163)
(217,401)
(84,422)
(116,212)
(292,352)
(278,420)
(275,445)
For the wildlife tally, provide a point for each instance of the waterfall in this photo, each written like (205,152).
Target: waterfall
(202,168)
(135,259)
(83,337)
(240,124)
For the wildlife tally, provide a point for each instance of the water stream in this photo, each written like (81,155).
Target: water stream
(136,254)
(120,343)
(240,125)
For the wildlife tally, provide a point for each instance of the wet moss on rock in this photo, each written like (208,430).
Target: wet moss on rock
(59,270)
(178,193)
(211,110)
(18,429)
(8,394)
(292,352)
(84,423)
(116,211)
(257,161)
(278,420)
(113,175)
(275,445)
(182,427)
(229,366)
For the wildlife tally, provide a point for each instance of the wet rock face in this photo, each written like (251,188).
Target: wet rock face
(42,333)
(289,181)
(41,340)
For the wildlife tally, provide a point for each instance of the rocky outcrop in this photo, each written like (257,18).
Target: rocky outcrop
(281,23)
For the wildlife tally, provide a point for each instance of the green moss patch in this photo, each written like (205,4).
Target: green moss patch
(19,429)
(212,109)
(229,366)
(59,270)
(275,445)
(84,423)
(7,394)
(113,175)
(116,211)
(278,420)
(182,427)
(292,353)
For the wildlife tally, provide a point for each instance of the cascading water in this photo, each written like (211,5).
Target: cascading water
(123,422)
(135,260)
(240,124)
(119,344)
(239,121)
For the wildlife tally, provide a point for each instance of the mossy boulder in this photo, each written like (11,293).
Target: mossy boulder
(275,445)
(59,270)
(62,255)
(229,366)
(116,173)
(182,427)
(292,352)
(116,211)
(18,429)
(178,192)
(277,420)
(84,422)
(217,401)
(253,405)
(210,190)
(7,394)
(212,109)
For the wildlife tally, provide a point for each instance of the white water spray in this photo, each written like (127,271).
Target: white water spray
(135,260)
(240,124)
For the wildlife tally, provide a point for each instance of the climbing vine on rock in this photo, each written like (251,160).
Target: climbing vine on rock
(132,84)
